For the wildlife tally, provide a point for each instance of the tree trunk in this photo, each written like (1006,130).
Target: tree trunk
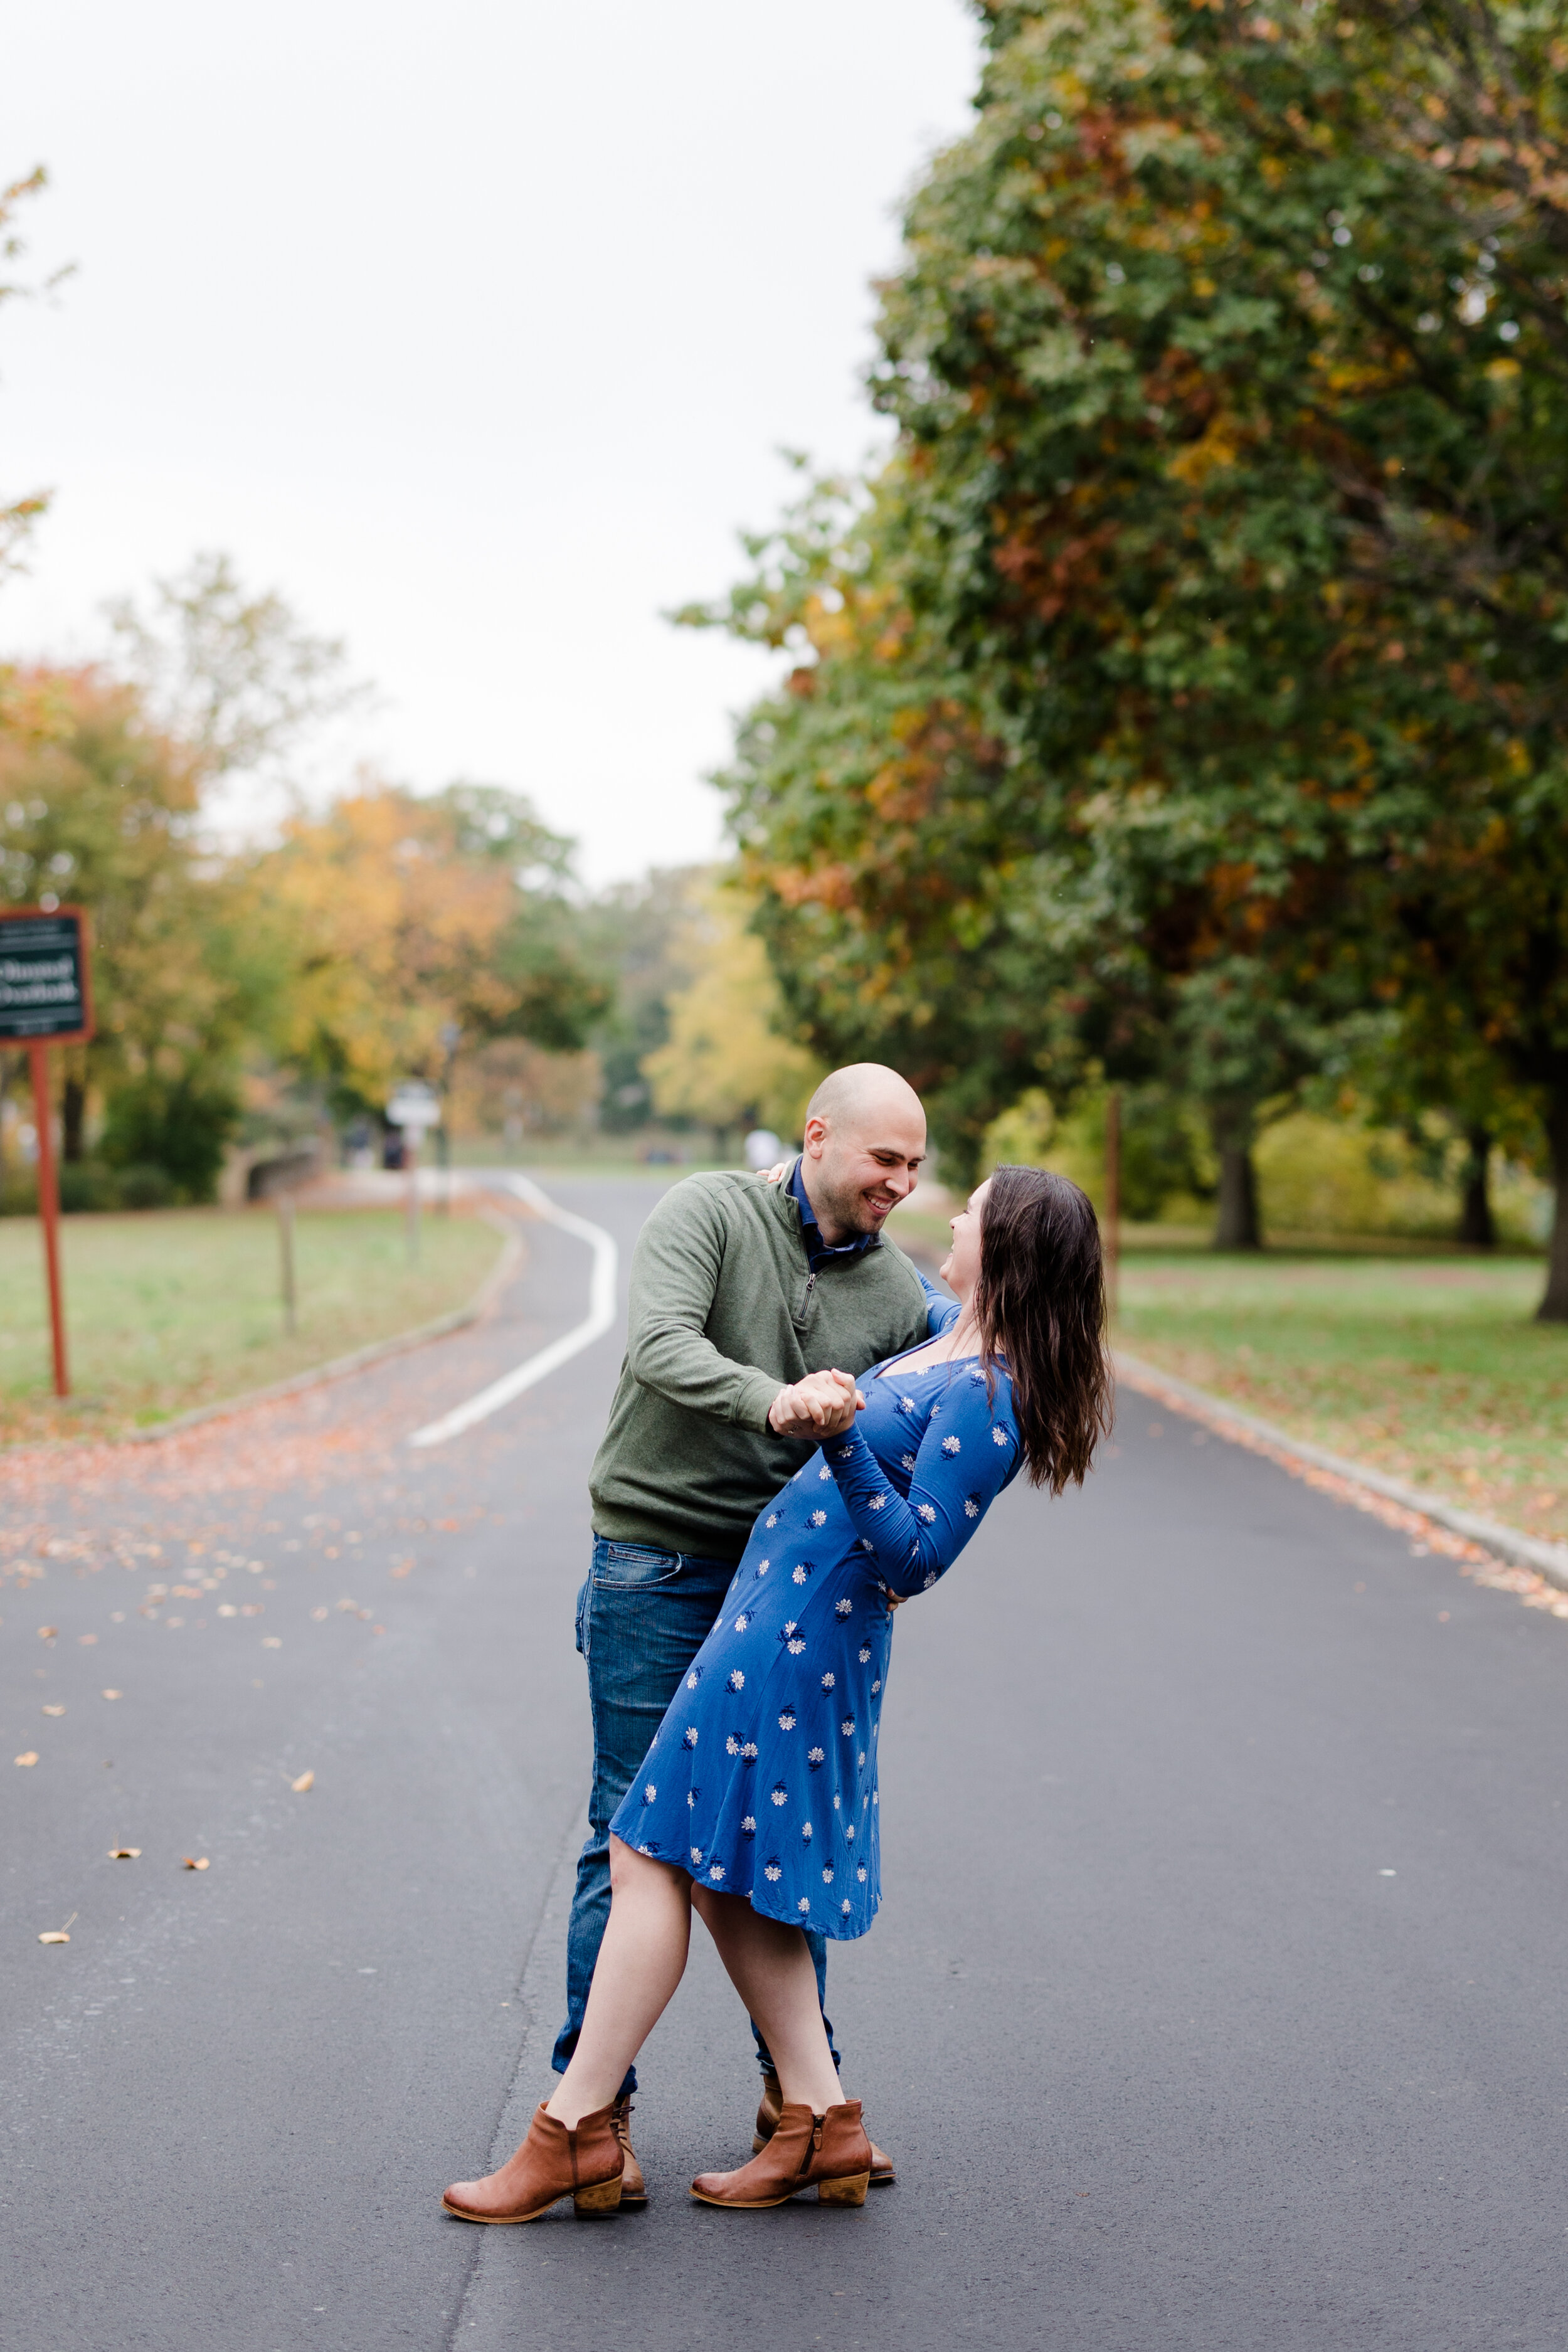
(1236,1227)
(1553,1307)
(1477,1227)
(73,1116)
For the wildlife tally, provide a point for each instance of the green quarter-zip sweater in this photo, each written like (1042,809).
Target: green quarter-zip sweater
(725,1310)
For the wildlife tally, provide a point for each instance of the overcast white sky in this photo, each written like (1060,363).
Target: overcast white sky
(472,329)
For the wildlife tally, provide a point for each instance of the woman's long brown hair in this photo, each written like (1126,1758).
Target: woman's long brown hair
(1040,1302)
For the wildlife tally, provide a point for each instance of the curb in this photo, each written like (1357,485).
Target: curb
(1510,1544)
(376,1352)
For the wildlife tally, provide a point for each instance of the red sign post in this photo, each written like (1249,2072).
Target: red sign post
(45,998)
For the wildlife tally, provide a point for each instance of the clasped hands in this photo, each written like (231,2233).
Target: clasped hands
(823,1404)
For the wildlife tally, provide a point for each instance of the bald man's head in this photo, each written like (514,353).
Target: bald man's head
(865,1140)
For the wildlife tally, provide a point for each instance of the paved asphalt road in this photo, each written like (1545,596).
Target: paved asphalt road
(1216,1999)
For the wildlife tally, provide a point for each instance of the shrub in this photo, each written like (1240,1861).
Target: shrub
(177,1127)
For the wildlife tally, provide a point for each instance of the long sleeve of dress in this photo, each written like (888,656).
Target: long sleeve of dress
(940,1310)
(965,1457)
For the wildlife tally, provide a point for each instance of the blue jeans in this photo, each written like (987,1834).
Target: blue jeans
(642,1616)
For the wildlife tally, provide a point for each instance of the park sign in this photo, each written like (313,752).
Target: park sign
(46,995)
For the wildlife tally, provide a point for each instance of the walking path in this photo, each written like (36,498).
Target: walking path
(1216,2001)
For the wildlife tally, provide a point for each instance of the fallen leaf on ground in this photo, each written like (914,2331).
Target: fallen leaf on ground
(124,1854)
(271,1641)
(48,1632)
(111,1694)
(306,1780)
(54,1710)
(58,1935)
(30,1756)
(320,1615)
(192,1864)
(86,1640)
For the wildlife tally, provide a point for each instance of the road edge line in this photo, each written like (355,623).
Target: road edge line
(1509,1544)
(601,1315)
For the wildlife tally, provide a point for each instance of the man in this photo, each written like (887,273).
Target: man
(752,1307)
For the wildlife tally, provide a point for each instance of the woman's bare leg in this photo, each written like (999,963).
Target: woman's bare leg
(640,1962)
(771,1968)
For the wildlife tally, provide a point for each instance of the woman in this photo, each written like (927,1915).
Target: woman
(757,1802)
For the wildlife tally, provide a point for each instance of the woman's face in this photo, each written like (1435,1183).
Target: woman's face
(960,1269)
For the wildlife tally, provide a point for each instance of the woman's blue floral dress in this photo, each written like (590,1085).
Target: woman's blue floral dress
(761,1779)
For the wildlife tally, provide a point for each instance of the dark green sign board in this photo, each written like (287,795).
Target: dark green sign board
(45,992)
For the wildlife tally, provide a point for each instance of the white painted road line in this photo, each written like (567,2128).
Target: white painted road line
(600,1316)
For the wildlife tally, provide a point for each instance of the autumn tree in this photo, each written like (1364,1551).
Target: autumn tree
(405,916)
(1217,508)
(726,1062)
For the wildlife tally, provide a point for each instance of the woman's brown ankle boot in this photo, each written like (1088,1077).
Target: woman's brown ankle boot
(552,2162)
(830,2152)
(768,2113)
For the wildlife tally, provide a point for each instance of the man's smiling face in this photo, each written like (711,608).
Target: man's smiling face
(861,1164)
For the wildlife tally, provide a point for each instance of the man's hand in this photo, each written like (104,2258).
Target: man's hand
(822,1405)
(776,1174)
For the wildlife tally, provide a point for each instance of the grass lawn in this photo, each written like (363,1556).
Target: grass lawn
(176,1307)
(1427,1366)
(1430,1368)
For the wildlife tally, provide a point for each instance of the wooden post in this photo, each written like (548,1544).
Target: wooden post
(1112,1237)
(286,1248)
(50,1207)
(411,1162)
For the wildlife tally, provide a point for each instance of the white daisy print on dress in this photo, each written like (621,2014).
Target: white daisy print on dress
(749,1752)
(843,1454)
(817,1519)
(786,1720)
(741,1622)
(860,1873)
(844,1607)
(849,1832)
(747,1826)
(806,1832)
(780,1793)
(877,1503)
(693,1678)
(926,1511)
(815,1756)
(690,1738)
(732,1746)
(737,1680)
(837,1800)
(949,1445)
(802,1570)
(825,1472)
(847,1726)
(796,1646)
(649,1793)
(865,1653)
(771,1870)
(691,1800)
(805,1903)
(828,1875)
(908,1460)
(772,1521)
(876,1686)
(998,1435)
(715,1870)
(844,1907)
(931,1579)
(907,1404)
(828,1680)
(972,1506)
(696,1854)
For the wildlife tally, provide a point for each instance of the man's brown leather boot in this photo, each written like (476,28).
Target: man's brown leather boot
(882,2173)
(829,2152)
(552,2162)
(634,2188)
